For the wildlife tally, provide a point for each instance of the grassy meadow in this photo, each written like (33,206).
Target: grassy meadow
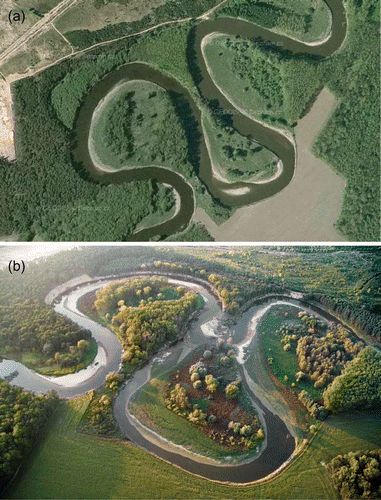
(283,364)
(68,464)
(149,407)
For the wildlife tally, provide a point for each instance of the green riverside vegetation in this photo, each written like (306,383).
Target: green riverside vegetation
(276,87)
(42,339)
(357,475)
(123,470)
(359,385)
(23,417)
(237,157)
(194,232)
(254,80)
(192,405)
(307,21)
(328,358)
(96,212)
(279,331)
(350,140)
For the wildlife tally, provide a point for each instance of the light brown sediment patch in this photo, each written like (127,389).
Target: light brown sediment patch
(7,143)
(306,209)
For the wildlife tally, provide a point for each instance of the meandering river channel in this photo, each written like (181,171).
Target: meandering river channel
(280,441)
(233,194)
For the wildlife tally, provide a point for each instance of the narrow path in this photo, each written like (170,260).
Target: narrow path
(37,28)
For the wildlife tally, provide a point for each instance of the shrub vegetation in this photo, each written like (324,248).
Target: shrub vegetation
(207,394)
(359,385)
(357,475)
(144,327)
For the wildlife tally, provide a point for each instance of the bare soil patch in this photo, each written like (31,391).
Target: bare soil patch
(9,33)
(7,144)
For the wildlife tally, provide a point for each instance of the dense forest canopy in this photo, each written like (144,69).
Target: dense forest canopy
(22,419)
(61,202)
(35,329)
(359,385)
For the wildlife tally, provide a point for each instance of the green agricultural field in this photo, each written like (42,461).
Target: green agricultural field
(237,157)
(138,126)
(307,21)
(64,464)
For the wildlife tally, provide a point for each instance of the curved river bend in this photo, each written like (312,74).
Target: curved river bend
(234,194)
(279,444)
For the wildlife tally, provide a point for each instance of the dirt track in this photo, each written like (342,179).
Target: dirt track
(7,146)
(306,209)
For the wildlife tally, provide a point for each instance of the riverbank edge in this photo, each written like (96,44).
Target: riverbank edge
(56,373)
